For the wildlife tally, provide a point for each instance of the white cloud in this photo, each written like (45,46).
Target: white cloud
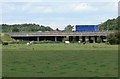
(0,8)
(53,7)
(115,5)
(59,13)
(7,9)
(84,7)
(40,9)
(25,8)
(21,0)
(109,6)
(59,0)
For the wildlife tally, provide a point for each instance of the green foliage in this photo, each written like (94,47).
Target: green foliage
(66,38)
(111,24)
(24,28)
(15,29)
(68,28)
(99,40)
(6,37)
(114,38)
(74,39)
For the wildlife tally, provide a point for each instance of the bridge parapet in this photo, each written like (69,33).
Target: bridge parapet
(97,33)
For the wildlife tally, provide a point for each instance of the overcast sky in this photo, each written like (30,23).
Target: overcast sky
(58,13)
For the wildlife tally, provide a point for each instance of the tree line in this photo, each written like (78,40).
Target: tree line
(25,28)
(110,24)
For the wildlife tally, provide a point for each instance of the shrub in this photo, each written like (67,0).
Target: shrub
(66,39)
(99,40)
(6,37)
(114,38)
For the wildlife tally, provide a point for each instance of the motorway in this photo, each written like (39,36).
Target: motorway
(36,34)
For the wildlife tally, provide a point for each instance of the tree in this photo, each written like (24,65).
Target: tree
(57,29)
(68,28)
(48,28)
(114,38)
(24,28)
(15,29)
(110,24)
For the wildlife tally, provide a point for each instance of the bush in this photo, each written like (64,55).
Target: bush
(74,40)
(99,40)
(6,37)
(114,38)
(66,39)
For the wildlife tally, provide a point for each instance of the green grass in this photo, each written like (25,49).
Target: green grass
(5,37)
(0,61)
(60,60)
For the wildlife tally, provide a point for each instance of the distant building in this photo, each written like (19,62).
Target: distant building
(55,30)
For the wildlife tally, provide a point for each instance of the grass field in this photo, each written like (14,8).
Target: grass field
(60,60)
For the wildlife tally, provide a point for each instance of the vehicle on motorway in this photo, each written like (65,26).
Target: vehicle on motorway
(85,28)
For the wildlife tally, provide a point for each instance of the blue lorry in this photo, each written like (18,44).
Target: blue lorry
(86,28)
